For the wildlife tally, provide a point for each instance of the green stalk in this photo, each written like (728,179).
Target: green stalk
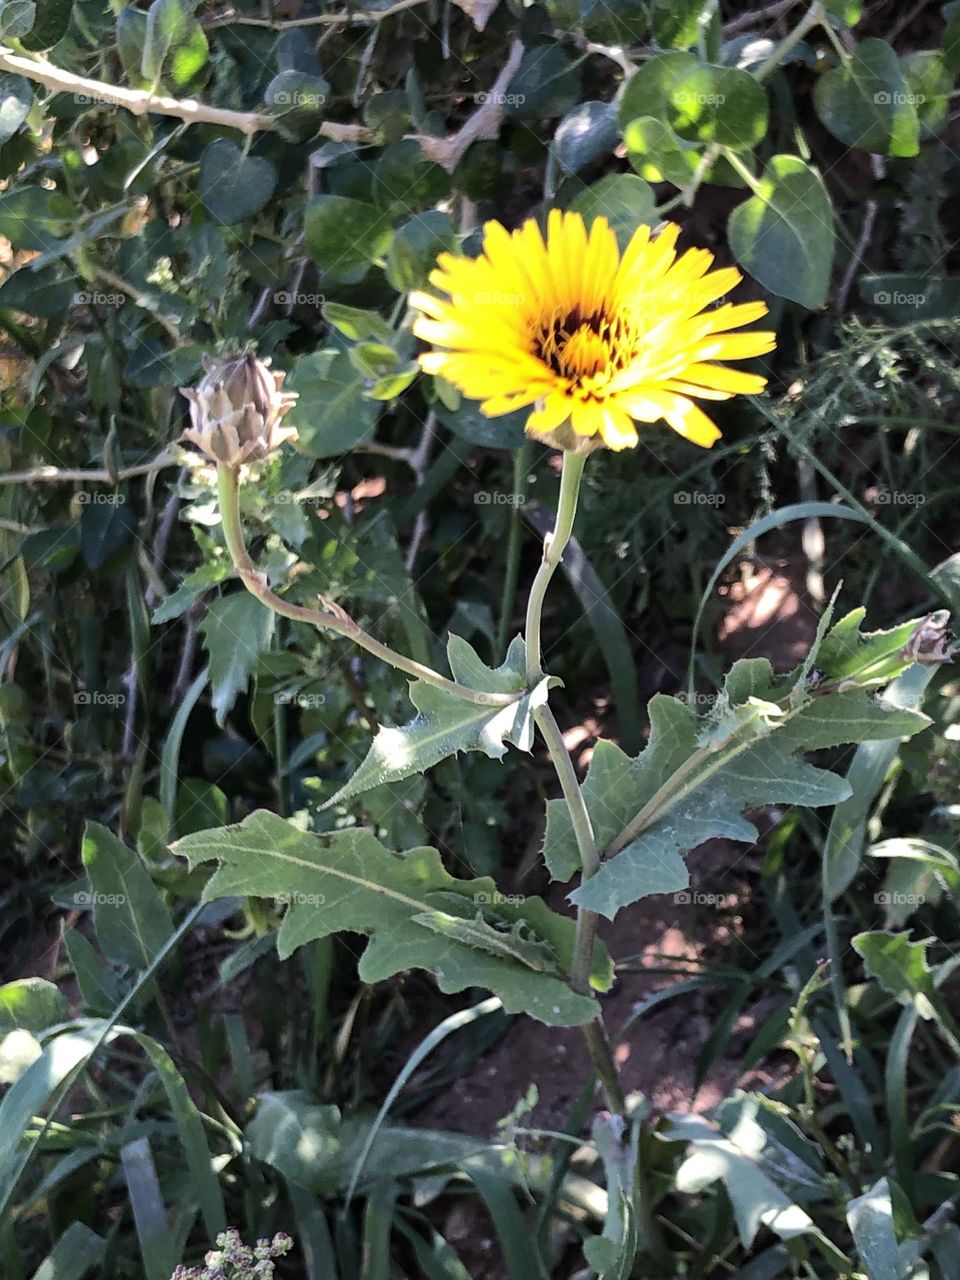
(521,463)
(228,490)
(601,1053)
(553,548)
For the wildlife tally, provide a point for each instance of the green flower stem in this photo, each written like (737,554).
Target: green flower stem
(521,463)
(228,489)
(601,1053)
(553,547)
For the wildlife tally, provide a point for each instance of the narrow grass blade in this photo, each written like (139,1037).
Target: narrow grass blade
(608,627)
(423,1049)
(75,1253)
(520,1254)
(149,1214)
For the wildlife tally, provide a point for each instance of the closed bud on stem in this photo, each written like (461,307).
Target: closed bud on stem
(236,410)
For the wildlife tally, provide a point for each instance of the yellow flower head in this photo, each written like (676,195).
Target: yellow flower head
(595,341)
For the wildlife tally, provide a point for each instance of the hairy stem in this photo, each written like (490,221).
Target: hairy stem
(601,1053)
(553,547)
(521,461)
(255,582)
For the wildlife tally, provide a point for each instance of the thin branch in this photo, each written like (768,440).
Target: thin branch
(99,475)
(484,123)
(749,21)
(354,18)
(141,102)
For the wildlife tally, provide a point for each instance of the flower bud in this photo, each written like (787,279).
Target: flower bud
(236,408)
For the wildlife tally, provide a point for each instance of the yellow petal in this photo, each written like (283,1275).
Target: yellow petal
(733,381)
(586,417)
(618,431)
(549,414)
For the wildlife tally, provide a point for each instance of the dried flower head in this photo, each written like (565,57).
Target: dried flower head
(236,409)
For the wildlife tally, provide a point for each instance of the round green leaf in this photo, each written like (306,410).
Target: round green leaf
(866,103)
(175,47)
(415,247)
(50,26)
(585,134)
(657,154)
(625,200)
(344,236)
(405,181)
(614,21)
(16,18)
(930,85)
(471,425)
(332,414)
(233,185)
(547,83)
(676,23)
(783,235)
(34,217)
(700,102)
(298,100)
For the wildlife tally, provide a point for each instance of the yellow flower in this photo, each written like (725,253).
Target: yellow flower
(595,341)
